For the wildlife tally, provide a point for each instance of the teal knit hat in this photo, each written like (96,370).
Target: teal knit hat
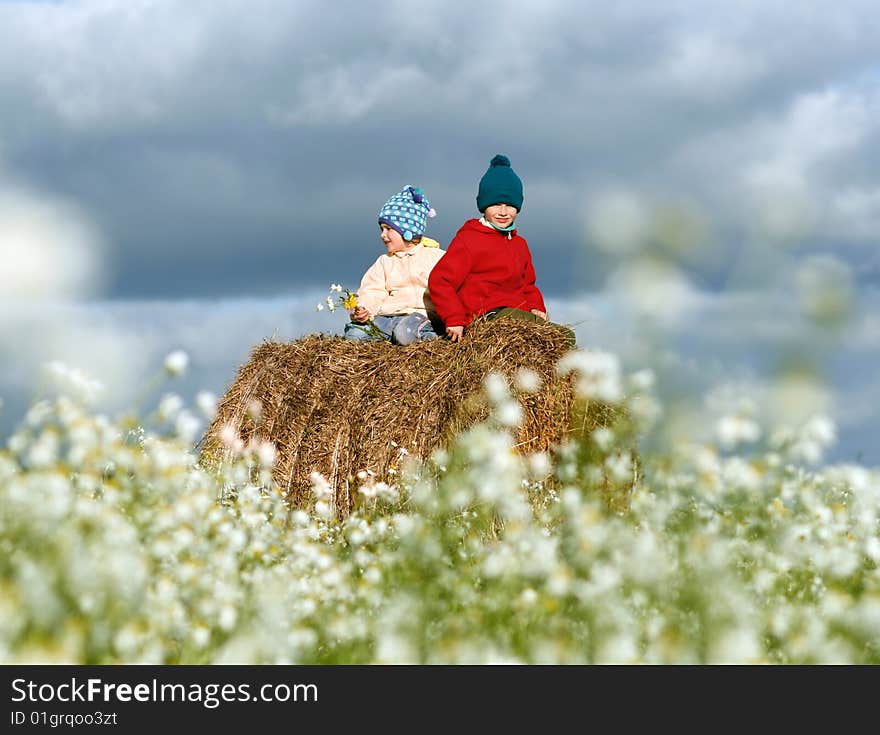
(500,185)
(407,212)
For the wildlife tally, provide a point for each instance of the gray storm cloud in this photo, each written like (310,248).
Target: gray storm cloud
(231,147)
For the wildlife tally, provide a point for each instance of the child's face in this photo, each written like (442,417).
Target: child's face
(501,215)
(393,240)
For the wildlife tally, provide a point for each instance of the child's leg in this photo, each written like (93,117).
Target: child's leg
(510,313)
(412,328)
(367,332)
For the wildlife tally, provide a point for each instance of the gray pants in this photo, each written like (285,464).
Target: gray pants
(400,329)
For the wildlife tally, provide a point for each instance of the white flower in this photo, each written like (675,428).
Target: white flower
(645,410)
(620,467)
(386,491)
(201,636)
(44,451)
(872,549)
(740,474)
(705,460)
(230,438)
(496,388)
(619,222)
(811,441)
(320,486)
(187,426)
(319,307)
(299,518)
(266,454)
(335,287)
(38,413)
(603,437)
(528,597)
(618,649)
(740,645)
(207,403)
(821,430)
(527,380)
(330,304)
(170,406)
(737,429)
(227,618)
(176,363)
(597,374)
(539,465)
(73,382)
(643,380)
(509,413)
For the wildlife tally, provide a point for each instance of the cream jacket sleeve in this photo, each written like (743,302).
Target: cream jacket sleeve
(373,292)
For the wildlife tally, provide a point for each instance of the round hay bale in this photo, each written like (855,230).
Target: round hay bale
(339,407)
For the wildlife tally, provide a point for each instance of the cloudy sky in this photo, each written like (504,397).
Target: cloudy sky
(195,173)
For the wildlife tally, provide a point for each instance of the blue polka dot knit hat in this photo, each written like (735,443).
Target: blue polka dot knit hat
(407,212)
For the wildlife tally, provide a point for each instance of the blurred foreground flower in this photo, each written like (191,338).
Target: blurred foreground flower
(122,549)
(176,363)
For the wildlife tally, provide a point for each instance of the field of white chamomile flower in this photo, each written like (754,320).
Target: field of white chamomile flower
(116,547)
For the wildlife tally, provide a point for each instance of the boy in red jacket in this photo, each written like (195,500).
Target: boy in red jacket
(488,267)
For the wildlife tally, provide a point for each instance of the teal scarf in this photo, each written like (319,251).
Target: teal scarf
(509,228)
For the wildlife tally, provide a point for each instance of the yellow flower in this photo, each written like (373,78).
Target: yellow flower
(351,301)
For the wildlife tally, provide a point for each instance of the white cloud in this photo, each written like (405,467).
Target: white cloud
(855,211)
(104,64)
(816,129)
(786,174)
(99,61)
(710,68)
(793,181)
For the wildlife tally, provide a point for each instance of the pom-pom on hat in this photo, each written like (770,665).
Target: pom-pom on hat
(407,212)
(500,185)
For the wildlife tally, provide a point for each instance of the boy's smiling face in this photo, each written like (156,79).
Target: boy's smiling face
(500,215)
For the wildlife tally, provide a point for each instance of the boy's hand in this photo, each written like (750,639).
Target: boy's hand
(542,314)
(359,314)
(455,333)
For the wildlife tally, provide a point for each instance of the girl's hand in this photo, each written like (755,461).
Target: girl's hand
(359,314)
(542,314)
(455,333)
